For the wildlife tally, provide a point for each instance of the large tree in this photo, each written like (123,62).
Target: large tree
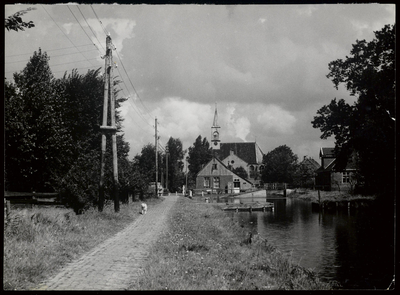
(365,131)
(52,133)
(280,165)
(175,164)
(37,142)
(198,155)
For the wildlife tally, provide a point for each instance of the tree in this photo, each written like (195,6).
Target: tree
(365,130)
(198,155)
(175,164)
(280,165)
(145,163)
(15,22)
(37,141)
(304,176)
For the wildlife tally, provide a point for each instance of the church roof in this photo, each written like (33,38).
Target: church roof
(249,152)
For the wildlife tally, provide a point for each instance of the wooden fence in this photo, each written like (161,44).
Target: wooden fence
(30,198)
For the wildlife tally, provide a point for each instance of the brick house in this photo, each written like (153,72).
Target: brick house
(329,178)
(216,177)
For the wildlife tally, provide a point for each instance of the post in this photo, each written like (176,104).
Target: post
(166,167)
(108,95)
(114,140)
(156,143)
(103,135)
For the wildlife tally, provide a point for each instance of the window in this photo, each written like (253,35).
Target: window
(214,167)
(216,182)
(236,182)
(206,181)
(346,177)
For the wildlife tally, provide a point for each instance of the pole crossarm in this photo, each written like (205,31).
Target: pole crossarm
(111,129)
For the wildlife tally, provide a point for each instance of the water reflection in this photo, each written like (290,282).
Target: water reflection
(337,245)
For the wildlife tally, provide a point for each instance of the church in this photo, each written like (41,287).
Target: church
(218,175)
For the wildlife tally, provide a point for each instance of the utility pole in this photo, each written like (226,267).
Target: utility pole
(156,136)
(166,160)
(104,128)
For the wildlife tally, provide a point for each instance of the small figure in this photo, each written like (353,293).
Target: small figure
(144,208)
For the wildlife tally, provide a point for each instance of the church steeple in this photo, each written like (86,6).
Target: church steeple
(214,130)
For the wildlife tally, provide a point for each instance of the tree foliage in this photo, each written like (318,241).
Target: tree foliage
(198,155)
(15,22)
(175,164)
(37,140)
(365,129)
(52,134)
(280,165)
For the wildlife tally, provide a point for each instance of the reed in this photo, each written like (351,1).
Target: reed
(204,249)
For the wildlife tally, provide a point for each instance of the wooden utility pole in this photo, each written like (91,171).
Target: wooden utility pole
(108,95)
(166,164)
(156,136)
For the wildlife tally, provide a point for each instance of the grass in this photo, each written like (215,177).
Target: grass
(42,240)
(336,196)
(203,249)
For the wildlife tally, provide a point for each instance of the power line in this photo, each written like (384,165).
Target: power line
(64,32)
(80,24)
(90,28)
(48,50)
(99,20)
(148,112)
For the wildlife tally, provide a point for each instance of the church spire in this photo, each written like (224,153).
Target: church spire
(214,130)
(215,122)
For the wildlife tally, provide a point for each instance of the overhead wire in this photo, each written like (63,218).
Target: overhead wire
(137,110)
(66,34)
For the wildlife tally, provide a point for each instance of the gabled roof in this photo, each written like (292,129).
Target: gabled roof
(332,166)
(224,166)
(327,153)
(249,152)
(311,162)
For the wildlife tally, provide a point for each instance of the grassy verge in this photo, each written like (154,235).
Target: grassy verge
(41,240)
(335,196)
(203,249)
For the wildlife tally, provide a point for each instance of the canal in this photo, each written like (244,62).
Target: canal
(353,247)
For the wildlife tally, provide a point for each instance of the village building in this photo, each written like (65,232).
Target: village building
(215,177)
(218,174)
(329,178)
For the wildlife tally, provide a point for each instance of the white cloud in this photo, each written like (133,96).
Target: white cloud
(276,120)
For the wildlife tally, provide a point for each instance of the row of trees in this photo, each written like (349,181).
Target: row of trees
(52,137)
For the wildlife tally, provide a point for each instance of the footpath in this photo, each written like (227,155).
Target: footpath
(118,261)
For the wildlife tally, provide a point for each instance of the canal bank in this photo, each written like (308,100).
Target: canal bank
(353,246)
(205,249)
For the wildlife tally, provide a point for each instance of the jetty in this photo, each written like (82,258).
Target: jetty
(249,207)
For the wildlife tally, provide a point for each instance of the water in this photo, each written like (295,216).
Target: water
(353,247)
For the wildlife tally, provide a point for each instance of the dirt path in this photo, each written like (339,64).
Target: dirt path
(118,261)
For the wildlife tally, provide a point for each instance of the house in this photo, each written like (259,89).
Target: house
(215,177)
(242,154)
(217,173)
(329,178)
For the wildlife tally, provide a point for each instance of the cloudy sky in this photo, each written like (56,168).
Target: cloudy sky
(264,66)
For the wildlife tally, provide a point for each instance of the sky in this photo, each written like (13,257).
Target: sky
(263,66)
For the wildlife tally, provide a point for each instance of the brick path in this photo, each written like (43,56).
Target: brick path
(118,261)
